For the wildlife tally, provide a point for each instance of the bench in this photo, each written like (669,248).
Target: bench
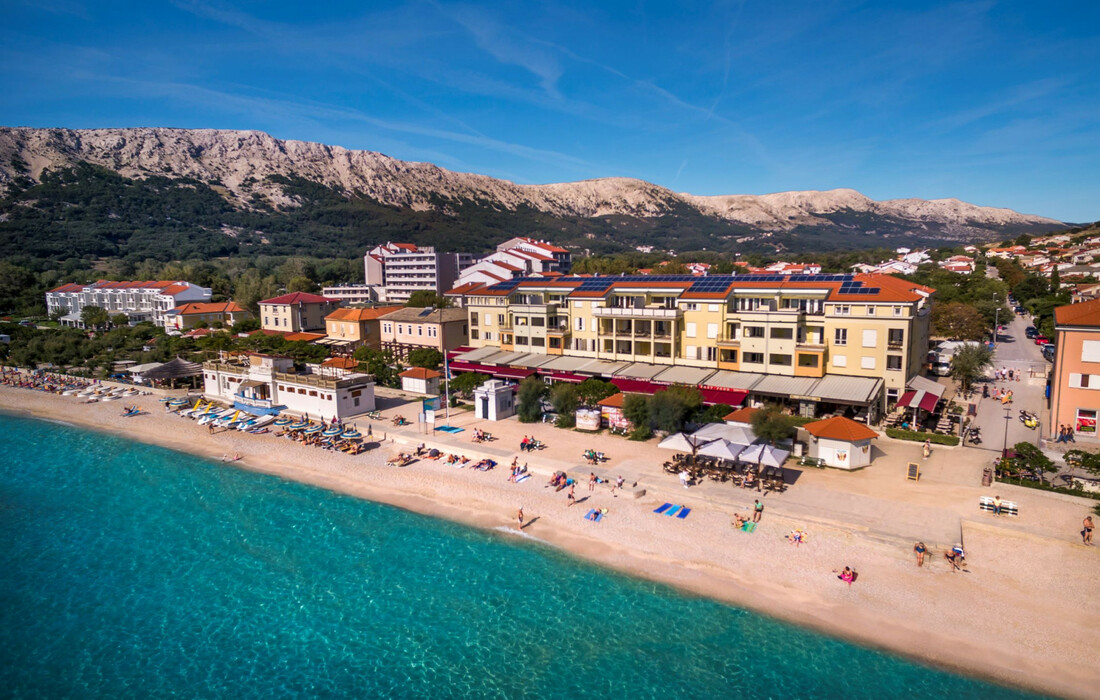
(1007,507)
(818,462)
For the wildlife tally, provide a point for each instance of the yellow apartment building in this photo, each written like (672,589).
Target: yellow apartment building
(350,328)
(296,312)
(771,336)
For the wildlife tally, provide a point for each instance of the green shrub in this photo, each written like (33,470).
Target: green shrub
(1043,486)
(641,433)
(899,434)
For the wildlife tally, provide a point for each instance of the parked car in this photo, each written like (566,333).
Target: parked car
(1031,332)
(1041,340)
(1048,352)
(1020,310)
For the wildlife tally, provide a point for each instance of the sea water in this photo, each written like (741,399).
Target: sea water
(128,570)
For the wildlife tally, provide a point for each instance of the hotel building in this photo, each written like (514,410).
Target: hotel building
(399,269)
(140,301)
(822,342)
(296,312)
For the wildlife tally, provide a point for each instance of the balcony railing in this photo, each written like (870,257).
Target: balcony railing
(615,312)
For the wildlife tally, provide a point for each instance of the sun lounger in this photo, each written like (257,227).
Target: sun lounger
(663,508)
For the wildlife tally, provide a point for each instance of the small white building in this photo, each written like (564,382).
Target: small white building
(494,400)
(268,384)
(418,380)
(841,442)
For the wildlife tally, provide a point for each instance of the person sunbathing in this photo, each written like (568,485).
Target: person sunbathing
(738,520)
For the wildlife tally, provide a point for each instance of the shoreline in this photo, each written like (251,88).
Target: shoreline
(688,555)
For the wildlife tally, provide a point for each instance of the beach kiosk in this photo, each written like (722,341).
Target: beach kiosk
(418,380)
(494,400)
(841,442)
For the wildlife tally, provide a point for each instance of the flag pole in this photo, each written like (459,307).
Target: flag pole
(447,384)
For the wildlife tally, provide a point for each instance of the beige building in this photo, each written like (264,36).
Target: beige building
(296,312)
(772,336)
(411,328)
(349,329)
(194,315)
(1075,383)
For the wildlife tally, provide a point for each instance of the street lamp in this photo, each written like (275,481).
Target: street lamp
(1004,447)
(996,320)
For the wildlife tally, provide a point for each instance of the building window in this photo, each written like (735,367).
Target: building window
(1084,381)
(580,323)
(896,337)
(689,330)
(867,362)
(754,331)
(521,340)
(870,338)
(840,337)
(712,330)
(897,310)
(784,360)
(893,362)
(782,333)
(891,395)
(500,319)
(840,360)
(842,310)
(753,358)
(691,307)
(313,393)
(538,342)
(807,360)
(712,354)
(473,334)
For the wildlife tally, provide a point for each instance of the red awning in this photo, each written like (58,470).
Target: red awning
(460,366)
(566,377)
(907,398)
(512,373)
(923,400)
(928,402)
(731,397)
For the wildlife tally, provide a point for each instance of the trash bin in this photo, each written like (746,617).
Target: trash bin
(798,449)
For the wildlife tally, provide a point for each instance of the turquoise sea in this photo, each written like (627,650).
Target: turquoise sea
(130,571)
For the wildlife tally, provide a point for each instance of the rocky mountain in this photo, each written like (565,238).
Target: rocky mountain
(263,182)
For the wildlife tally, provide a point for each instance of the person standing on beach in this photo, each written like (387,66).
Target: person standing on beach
(1086,533)
(571,496)
(757,511)
(618,485)
(592,481)
(684,476)
(519,518)
(920,549)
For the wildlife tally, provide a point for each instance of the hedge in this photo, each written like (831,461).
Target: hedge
(1049,487)
(937,439)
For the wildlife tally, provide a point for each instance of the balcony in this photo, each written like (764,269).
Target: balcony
(534,309)
(654,312)
(728,342)
(809,347)
(770,315)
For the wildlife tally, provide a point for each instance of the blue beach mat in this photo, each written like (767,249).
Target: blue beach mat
(749,527)
(683,513)
(522,478)
(673,511)
(598,516)
(663,508)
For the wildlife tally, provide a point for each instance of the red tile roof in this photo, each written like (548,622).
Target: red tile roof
(228,307)
(741,415)
(1087,313)
(420,373)
(299,298)
(840,428)
(356,315)
(307,337)
(341,363)
(613,401)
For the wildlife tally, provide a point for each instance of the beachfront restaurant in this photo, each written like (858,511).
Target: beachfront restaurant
(269,384)
(857,397)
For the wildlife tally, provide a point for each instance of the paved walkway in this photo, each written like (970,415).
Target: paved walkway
(878,501)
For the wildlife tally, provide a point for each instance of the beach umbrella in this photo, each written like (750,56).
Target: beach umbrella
(312,429)
(731,433)
(722,449)
(332,432)
(352,434)
(751,454)
(280,422)
(682,442)
(773,456)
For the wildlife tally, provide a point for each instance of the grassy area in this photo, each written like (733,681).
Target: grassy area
(937,439)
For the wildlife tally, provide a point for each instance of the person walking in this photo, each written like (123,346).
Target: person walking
(684,477)
(757,511)
(617,486)
(920,549)
(519,518)
(1086,533)
(926,450)
(572,497)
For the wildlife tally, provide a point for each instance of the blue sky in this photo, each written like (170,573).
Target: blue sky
(997,103)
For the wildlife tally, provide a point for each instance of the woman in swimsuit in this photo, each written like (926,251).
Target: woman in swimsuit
(920,549)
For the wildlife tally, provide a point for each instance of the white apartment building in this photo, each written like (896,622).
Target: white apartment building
(140,301)
(354,293)
(399,269)
(518,257)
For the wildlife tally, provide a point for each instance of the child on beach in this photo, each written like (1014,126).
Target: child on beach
(847,576)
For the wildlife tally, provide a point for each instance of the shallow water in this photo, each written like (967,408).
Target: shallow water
(128,570)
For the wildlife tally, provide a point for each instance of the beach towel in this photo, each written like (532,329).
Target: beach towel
(522,477)
(683,513)
(594,515)
(749,527)
(673,511)
(663,508)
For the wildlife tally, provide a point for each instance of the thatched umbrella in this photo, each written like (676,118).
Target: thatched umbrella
(175,369)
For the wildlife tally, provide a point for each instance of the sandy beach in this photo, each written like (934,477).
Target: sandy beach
(1025,613)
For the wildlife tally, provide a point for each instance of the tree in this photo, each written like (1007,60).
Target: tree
(969,364)
(772,424)
(958,321)
(466,382)
(1055,280)
(529,408)
(669,407)
(382,364)
(301,284)
(428,358)
(564,398)
(636,410)
(1031,457)
(94,317)
(120,320)
(422,298)
(591,391)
